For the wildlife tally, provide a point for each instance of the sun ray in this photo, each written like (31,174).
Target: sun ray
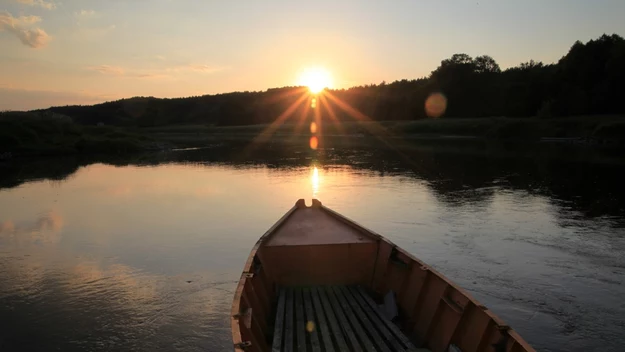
(304,118)
(317,120)
(268,132)
(328,108)
(376,130)
(288,93)
(348,108)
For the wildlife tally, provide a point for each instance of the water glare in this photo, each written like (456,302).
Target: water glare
(314,143)
(313,127)
(314,179)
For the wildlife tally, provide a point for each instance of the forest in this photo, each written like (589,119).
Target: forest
(588,80)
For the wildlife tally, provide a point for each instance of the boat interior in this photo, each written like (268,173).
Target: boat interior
(317,281)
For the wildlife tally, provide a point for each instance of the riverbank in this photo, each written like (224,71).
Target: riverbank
(30,134)
(24,134)
(592,130)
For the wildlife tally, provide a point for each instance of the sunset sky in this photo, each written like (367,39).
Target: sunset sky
(57,52)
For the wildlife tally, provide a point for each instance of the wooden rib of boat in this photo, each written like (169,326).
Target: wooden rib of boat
(317,281)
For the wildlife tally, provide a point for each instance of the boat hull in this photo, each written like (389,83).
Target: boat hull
(315,246)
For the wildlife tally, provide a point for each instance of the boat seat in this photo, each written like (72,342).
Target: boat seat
(333,318)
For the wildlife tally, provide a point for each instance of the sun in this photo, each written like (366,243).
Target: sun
(316,79)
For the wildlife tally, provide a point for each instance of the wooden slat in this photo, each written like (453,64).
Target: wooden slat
(395,279)
(392,327)
(324,311)
(497,336)
(485,337)
(381,264)
(266,283)
(471,328)
(416,278)
(393,335)
(335,297)
(311,319)
(289,331)
(446,321)
(519,344)
(334,312)
(341,315)
(300,321)
(322,322)
(433,290)
(278,331)
(246,326)
(255,304)
(261,291)
(364,320)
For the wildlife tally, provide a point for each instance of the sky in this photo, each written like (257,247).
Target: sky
(59,52)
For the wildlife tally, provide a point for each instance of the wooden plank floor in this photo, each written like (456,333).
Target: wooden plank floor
(333,318)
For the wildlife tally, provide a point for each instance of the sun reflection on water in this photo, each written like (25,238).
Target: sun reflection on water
(314,180)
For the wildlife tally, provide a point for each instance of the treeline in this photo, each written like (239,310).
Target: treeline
(47,133)
(588,80)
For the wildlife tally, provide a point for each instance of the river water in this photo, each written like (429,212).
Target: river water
(143,253)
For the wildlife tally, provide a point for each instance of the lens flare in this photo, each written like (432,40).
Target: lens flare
(313,127)
(313,103)
(314,143)
(310,326)
(435,105)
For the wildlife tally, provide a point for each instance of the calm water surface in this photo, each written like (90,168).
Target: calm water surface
(144,254)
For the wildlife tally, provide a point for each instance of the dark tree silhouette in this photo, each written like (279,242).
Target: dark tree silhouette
(587,80)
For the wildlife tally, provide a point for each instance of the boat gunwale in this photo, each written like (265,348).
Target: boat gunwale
(239,344)
(238,293)
(501,325)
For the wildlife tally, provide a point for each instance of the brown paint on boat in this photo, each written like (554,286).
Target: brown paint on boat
(313,281)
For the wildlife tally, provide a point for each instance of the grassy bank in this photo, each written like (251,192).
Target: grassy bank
(603,129)
(599,128)
(47,134)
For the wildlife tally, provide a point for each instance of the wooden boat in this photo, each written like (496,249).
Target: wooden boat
(317,281)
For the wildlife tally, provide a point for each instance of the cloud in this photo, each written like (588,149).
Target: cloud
(119,71)
(24,20)
(84,13)
(202,68)
(45,229)
(148,75)
(108,70)
(23,99)
(19,26)
(48,5)
(167,72)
